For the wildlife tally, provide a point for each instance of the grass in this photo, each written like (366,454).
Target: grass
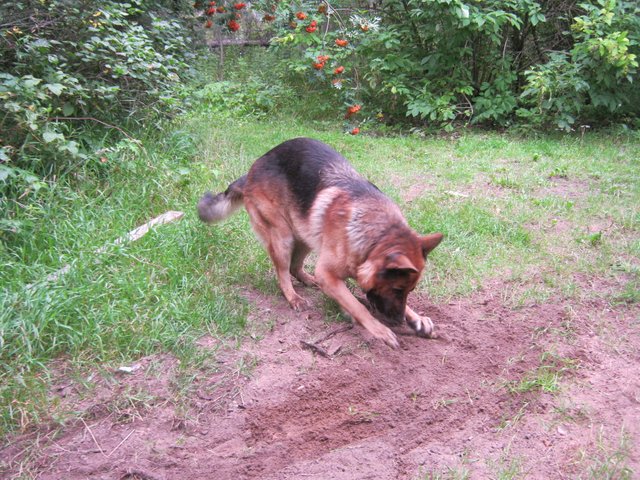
(609,462)
(460,473)
(535,213)
(544,378)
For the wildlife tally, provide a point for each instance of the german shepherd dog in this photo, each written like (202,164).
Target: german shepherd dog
(301,196)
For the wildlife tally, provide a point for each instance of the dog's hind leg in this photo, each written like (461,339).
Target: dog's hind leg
(279,242)
(300,252)
(280,250)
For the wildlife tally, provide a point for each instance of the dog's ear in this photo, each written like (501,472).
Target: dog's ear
(401,262)
(429,242)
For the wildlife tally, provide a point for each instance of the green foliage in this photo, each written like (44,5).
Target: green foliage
(70,69)
(68,289)
(239,99)
(445,62)
(594,79)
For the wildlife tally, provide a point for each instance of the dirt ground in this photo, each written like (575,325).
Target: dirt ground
(546,391)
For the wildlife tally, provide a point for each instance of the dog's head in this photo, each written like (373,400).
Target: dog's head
(392,270)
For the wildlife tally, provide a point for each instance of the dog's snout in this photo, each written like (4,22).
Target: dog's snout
(390,310)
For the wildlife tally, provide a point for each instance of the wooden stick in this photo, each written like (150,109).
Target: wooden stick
(94,438)
(132,236)
(315,348)
(343,328)
(142,230)
(123,440)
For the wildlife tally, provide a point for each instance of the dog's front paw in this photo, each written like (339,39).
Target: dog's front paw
(298,303)
(423,326)
(387,336)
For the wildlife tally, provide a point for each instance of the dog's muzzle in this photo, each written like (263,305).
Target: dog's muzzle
(385,310)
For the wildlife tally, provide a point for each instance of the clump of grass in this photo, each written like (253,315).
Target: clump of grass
(505,182)
(630,293)
(545,378)
(457,472)
(610,462)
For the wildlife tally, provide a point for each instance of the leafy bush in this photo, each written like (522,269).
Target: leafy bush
(595,78)
(440,62)
(70,66)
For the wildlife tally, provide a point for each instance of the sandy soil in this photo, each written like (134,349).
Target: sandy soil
(274,409)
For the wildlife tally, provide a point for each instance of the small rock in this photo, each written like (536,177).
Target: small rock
(131,369)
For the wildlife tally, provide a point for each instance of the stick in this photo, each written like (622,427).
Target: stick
(315,348)
(343,328)
(123,440)
(94,438)
(142,230)
(456,194)
(132,236)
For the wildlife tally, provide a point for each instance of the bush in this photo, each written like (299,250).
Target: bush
(441,62)
(594,80)
(68,67)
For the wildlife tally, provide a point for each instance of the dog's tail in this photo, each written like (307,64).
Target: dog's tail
(213,208)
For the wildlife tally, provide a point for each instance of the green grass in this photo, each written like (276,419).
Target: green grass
(500,200)
(544,378)
(609,462)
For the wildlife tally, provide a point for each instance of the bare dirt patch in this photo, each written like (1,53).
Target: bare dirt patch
(566,188)
(476,401)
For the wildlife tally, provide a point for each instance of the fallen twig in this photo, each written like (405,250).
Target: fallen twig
(123,440)
(456,194)
(315,348)
(93,437)
(343,328)
(142,230)
(132,236)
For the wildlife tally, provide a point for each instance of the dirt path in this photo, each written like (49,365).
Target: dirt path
(472,402)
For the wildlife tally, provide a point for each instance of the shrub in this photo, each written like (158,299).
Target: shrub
(593,80)
(439,62)
(68,67)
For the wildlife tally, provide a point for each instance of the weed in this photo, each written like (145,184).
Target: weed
(545,378)
(560,171)
(609,462)
(507,466)
(444,403)
(450,473)
(630,293)
(362,416)
(130,404)
(514,420)
(571,413)
(505,182)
